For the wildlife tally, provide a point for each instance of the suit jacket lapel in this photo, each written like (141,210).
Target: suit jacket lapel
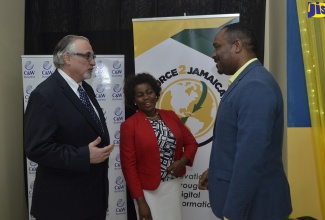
(70,94)
(99,111)
(239,78)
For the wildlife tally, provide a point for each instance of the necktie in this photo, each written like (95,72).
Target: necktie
(85,100)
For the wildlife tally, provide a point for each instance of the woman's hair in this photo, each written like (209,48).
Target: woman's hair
(66,45)
(132,81)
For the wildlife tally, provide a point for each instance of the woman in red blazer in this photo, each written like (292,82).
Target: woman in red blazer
(155,147)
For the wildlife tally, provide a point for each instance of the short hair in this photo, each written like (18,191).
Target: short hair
(132,81)
(244,33)
(66,44)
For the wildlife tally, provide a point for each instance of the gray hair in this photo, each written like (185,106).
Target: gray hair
(65,45)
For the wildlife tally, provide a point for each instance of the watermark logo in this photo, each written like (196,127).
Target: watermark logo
(119,184)
(32,167)
(100,92)
(31,188)
(99,64)
(116,140)
(29,71)
(46,72)
(118,118)
(117,92)
(117,71)
(117,64)
(100,70)
(117,164)
(29,65)
(316,9)
(28,91)
(120,207)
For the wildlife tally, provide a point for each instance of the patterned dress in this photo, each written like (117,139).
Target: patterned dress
(164,202)
(167,146)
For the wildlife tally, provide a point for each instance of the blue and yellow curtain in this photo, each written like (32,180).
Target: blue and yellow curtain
(312,34)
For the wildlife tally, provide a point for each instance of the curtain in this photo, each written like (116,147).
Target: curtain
(108,23)
(312,31)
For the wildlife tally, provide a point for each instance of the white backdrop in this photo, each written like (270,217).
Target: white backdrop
(107,82)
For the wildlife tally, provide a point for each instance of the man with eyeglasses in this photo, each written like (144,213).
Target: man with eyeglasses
(66,134)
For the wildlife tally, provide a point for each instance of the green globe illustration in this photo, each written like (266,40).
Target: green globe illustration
(194,103)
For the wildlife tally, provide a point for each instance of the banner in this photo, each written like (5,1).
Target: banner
(107,82)
(177,51)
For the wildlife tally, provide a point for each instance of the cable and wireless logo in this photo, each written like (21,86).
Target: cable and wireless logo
(316,9)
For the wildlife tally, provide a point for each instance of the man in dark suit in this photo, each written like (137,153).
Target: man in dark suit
(70,145)
(246,178)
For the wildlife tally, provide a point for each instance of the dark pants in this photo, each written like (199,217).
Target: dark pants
(101,216)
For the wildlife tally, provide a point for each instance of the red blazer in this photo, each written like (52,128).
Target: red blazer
(139,150)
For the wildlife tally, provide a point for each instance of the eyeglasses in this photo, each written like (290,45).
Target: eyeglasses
(87,55)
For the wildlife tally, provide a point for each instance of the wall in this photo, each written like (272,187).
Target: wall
(275,52)
(12,192)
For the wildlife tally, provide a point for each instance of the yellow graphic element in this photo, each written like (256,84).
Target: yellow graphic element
(149,33)
(193,101)
(316,9)
(182,69)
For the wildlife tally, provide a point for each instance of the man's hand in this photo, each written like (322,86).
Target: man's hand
(98,155)
(203,181)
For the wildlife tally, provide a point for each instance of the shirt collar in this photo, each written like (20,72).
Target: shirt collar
(73,85)
(233,77)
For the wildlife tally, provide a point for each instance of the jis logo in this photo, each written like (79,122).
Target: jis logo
(316,9)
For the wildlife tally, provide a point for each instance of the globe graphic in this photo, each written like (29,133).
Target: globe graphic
(194,103)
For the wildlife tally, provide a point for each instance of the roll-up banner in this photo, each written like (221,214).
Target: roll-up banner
(107,82)
(177,51)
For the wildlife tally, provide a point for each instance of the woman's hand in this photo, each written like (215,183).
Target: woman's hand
(177,166)
(144,210)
